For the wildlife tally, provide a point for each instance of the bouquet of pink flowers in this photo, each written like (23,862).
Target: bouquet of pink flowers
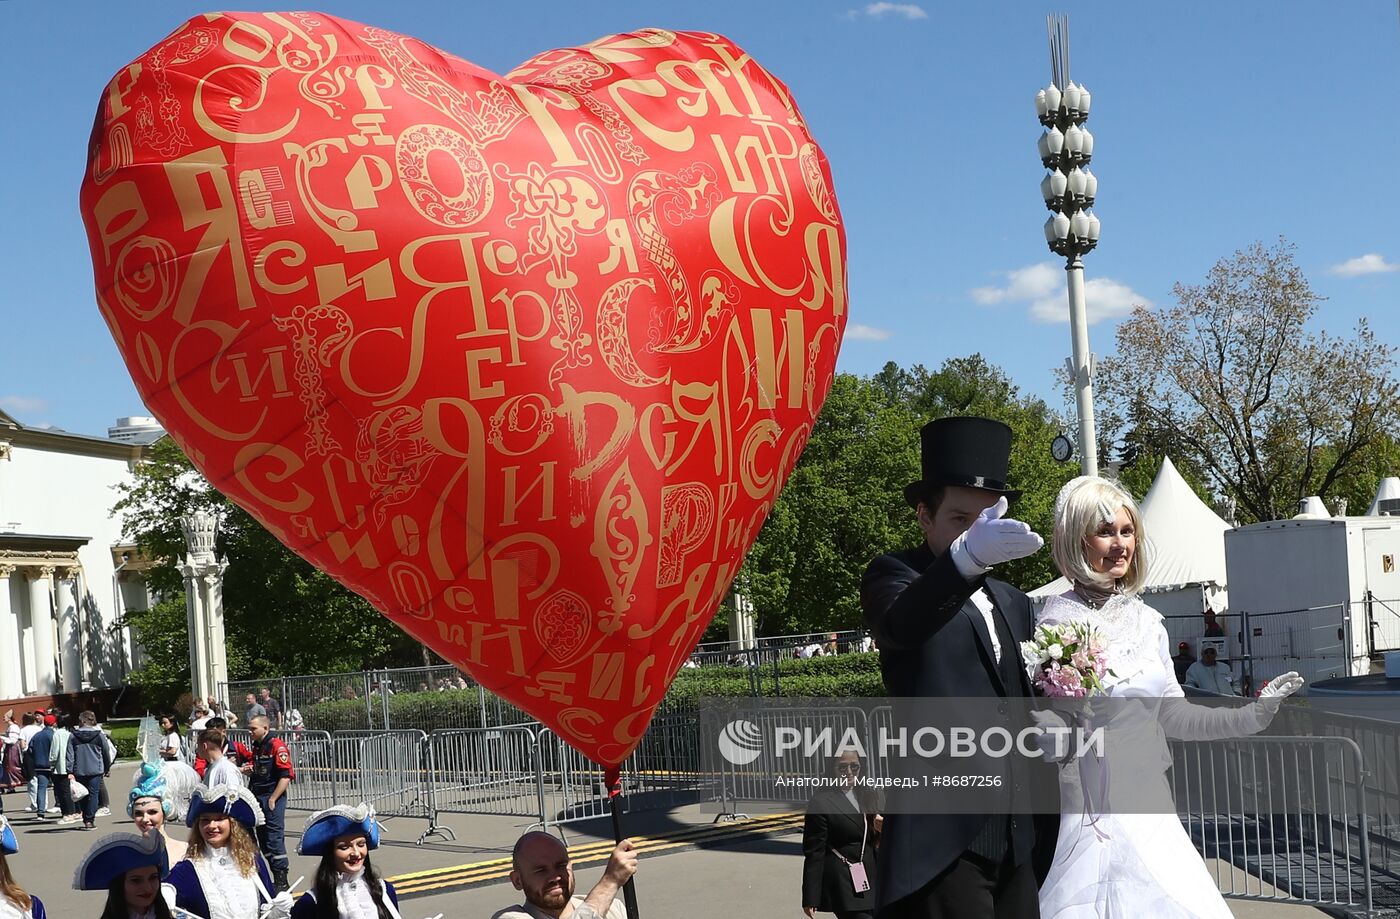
(1066,661)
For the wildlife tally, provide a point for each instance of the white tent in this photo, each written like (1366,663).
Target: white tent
(1186,549)
(1389,489)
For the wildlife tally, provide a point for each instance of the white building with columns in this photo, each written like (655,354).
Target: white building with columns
(66,576)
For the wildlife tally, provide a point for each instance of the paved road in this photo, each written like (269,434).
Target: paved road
(753,877)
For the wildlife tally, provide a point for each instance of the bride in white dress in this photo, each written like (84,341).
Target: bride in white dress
(1108,864)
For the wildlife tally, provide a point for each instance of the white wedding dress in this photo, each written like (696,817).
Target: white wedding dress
(1119,865)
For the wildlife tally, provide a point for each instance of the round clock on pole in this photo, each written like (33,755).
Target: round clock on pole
(1061,449)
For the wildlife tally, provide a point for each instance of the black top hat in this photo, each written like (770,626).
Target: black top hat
(970,452)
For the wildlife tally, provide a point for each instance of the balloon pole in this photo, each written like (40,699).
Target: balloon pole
(613,777)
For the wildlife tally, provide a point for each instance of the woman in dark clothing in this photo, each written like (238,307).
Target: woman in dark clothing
(838,844)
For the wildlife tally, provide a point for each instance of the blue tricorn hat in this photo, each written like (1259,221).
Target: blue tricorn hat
(113,856)
(8,844)
(324,827)
(235,801)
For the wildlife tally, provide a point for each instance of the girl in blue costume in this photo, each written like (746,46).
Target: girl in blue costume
(130,869)
(223,875)
(160,797)
(14,902)
(347,886)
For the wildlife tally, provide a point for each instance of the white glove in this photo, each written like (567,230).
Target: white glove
(993,539)
(279,908)
(1278,689)
(1054,739)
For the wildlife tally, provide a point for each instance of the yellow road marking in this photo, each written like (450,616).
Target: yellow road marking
(499,868)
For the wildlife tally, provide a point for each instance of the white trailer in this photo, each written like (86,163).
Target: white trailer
(1319,595)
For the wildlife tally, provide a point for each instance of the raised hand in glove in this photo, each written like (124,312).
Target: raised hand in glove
(1278,689)
(1054,737)
(279,908)
(994,538)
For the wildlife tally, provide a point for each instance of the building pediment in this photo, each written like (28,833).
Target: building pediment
(38,550)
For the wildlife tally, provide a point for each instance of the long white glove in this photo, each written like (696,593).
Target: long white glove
(994,538)
(1054,737)
(1278,689)
(279,908)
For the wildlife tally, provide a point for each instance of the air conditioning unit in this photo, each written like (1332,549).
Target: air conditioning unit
(1388,507)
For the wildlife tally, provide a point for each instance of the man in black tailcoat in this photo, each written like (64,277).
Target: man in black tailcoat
(945,629)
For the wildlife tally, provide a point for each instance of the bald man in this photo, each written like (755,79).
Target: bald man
(542,870)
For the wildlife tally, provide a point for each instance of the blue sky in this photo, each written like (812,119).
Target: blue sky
(1215,124)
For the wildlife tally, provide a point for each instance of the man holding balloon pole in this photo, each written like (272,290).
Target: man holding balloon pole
(945,629)
(542,869)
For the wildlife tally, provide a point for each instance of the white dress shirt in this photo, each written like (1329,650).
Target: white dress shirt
(970,571)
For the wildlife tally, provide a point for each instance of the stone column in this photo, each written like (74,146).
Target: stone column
(69,635)
(11,664)
(41,616)
(204,604)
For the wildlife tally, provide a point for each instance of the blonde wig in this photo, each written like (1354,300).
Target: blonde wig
(1084,505)
(240,843)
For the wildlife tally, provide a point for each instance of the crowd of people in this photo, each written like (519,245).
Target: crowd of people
(944,629)
(54,751)
(230,861)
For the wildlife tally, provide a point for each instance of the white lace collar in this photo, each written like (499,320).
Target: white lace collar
(352,896)
(1128,625)
(10,910)
(229,893)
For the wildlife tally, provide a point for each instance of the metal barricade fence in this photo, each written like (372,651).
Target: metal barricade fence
(384,769)
(488,770)
(880,724)
(1289,811)
(572,786)
(313,757)
(665,769)
(762,778)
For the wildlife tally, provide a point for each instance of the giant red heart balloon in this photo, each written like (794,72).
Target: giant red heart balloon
(523,360)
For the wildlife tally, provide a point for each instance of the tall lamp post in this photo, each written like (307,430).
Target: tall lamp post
(1066,147)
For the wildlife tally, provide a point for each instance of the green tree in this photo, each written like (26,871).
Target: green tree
(843,503)
(281,614)
(842,500)
(972,386)
(1267,410)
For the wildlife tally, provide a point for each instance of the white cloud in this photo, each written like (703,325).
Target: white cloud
(1370,263)
(1043,286)
(907,10)
(23,405)
(1030,283)
(857,332)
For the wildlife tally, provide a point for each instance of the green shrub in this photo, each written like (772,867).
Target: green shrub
(124,739)
(837,677)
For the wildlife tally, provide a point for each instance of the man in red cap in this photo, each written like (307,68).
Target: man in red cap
(1182,660)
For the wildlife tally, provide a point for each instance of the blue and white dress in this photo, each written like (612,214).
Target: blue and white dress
(352,900)
(215,889)
(10,909)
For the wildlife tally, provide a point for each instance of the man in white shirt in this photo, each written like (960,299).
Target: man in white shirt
(1210,675)
(542,869)
(221,770)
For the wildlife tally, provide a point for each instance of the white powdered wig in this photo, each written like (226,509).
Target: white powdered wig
(1085,504)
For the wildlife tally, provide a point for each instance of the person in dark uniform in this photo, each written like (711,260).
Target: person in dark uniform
(272,775)
(947,630)
(1183,660)
(839,836)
